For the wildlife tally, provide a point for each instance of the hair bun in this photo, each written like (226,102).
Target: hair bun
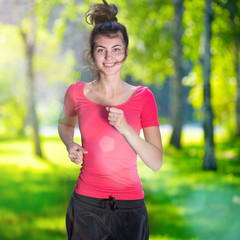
(101,13)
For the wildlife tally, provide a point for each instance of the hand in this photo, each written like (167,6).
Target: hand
(75,152)
(117,119)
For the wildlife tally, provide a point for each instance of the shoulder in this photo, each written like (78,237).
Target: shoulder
(143,91)
(77,85)
(74,88)
(87,88)
(145,97)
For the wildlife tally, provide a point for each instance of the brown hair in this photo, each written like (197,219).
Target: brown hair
(103,17)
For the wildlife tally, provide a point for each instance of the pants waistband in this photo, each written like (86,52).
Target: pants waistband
(110,202)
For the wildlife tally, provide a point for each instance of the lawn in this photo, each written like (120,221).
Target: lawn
(183,201)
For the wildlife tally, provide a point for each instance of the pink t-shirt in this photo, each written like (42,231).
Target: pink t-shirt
(110,166)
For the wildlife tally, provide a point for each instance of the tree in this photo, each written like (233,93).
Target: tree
(149,24)
(28,33)
(46,63)
(230,10)
(12,88)
(223,74)
(233,9)
(205,60)
(177,96)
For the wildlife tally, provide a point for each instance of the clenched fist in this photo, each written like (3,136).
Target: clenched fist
(75,152)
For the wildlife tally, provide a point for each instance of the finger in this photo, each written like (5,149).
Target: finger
(80,153)
(78,150)
(113,119)
(76,159)
(82,150)
(114,110)
(112,123)
(74,156)
(113,114)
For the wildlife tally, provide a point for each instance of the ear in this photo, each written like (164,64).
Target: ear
(92,55)
(127,51)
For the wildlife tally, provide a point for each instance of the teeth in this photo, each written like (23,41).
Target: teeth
(109,65)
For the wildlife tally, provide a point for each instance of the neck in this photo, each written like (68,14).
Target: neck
(109,85)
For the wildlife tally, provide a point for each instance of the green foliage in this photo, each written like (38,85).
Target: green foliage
(13,107)
(223,71)
(193,28)
(51,65)
(149,27)
(50,61)
(44,9)
(223,75)
(149,24)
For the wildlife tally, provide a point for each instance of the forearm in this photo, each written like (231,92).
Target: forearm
(66,126)
(66,133)
(150,154)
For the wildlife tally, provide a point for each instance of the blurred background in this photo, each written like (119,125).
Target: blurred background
(186,52)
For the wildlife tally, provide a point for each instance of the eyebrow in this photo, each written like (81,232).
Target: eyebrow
(112,46)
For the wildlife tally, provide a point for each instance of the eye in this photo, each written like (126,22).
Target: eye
(100,50)
(116,49)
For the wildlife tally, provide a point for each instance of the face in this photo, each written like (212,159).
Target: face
(109,54)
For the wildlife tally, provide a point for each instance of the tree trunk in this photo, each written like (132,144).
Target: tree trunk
(30,42)
(232,10)
(205,60)
(236,51)
(177,88)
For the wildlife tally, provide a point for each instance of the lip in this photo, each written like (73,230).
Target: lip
(109,65)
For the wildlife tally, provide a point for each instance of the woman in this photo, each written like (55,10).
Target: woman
(108,200)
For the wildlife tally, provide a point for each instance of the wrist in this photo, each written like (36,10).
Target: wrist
(68,143)
(127,130)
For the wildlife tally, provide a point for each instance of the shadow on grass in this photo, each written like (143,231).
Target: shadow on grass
(164,218)
(33,202)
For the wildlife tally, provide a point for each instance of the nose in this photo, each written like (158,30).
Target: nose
(108,55)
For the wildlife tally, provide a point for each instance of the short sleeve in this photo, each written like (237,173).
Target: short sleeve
(149,115)
(69,103)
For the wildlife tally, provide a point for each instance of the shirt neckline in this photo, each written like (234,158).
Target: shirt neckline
(131,97)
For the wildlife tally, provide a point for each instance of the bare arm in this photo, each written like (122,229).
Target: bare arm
(66,127)
(150,149)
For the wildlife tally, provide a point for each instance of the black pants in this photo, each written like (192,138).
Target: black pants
(99,219)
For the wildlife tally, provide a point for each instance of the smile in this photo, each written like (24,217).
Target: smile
(109,64)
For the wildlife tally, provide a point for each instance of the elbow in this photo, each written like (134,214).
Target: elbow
(157,167)
(158,164)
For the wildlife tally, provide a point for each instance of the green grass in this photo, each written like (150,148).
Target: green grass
(183,201)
